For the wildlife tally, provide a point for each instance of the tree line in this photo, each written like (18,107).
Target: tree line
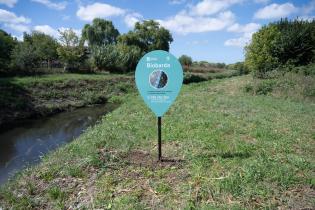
(100,47)
(282,45)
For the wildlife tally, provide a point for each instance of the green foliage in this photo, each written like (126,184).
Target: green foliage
(71,50)
(105,57)
(293,84)
(123,56)
(23,57)
(281,45)
(194,78)
(45,46)
(148,36)
(206,64)
(240,67)
(129,57)
(116,57)
(296,45)
(265,87)
(35,49)
(7,44)
(56,193)
(259,56)
(185,60)
(101,32)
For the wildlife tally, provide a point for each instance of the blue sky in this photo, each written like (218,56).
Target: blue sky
(212,30)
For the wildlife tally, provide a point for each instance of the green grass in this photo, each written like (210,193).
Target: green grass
(49,78)
(239,151)
(291,85)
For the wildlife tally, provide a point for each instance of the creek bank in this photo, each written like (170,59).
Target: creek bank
(34,98)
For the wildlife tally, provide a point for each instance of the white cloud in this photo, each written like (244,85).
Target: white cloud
(98,10)
(198,42)
(76,31)
(19,38)
(307,18)
(46,29)
(132,18)
(66,17)
(10,17)
(9,3)
(246,30)
(52,5)
(238,42)
(261,1)
(184,23)
(205,16)
(210,7)
(18,27)
(275,11)
(177,1)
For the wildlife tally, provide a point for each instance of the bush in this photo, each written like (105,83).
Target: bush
(194,78)
(281,45)
(265,87)
(249,88)
(185,60)
(116,57)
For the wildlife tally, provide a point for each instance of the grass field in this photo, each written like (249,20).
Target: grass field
(233,150)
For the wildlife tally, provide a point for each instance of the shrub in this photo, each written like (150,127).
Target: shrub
(185,60)
(194,78)
(265,87)
(281,45)
(116,57)
(248,88)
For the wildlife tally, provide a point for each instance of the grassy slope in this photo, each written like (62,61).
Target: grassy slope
(239,151)
(23,97)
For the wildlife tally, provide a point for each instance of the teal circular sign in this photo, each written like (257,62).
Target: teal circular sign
(159,78)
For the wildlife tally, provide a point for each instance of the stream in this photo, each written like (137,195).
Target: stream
(27,142)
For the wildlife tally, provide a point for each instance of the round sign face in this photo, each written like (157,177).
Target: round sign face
(159,77)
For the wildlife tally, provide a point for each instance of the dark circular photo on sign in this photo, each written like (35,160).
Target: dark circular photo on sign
(158,79)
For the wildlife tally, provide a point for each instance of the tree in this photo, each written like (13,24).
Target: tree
(45,47)
(100,32)
(281,44)
(7,44)
(185,60)
(71,51)
(259,53)
(296,45)
(35,49)
(23,57)
(148,36)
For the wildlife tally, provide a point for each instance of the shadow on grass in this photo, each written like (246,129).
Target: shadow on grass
(224,155)
(235,155)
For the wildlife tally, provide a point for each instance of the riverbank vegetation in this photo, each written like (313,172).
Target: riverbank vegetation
(245,142)
(36,96)
(235,150)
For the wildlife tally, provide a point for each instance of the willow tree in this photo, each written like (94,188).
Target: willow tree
(101,32)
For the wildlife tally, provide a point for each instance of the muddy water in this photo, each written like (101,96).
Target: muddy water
(26,143)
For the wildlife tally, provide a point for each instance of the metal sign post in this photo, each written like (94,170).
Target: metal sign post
(160,138)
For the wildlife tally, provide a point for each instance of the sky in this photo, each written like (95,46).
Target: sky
(210,30)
